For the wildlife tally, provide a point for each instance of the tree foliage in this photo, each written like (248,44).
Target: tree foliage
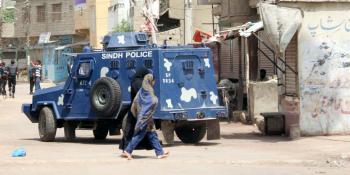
(8,15)
(124,26)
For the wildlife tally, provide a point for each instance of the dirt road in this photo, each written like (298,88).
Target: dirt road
(242,150)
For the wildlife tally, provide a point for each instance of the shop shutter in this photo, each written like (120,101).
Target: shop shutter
(229,59)
(291,59)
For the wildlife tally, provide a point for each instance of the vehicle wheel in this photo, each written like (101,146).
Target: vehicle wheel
(105,96)
(191,132)
(101,132)
(69,130)
(47,125)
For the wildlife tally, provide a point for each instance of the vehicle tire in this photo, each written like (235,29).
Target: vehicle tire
(47,125)
(105,96)
(69,130)
(101,132)
(191,132)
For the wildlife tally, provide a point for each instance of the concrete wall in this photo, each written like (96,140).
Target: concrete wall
(92,20)
(101,25)
(263,97)
(137,18)
(236,11)
(174,34)
(202,16)
(324,68)
(82,16)
(8,30)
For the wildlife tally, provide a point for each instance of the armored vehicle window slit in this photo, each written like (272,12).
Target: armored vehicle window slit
(149,64)
(187,65)
(131,64)
(115,64)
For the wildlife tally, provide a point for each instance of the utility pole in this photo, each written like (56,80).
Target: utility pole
(188,21)
(212,19)
(27,25)
(1,46)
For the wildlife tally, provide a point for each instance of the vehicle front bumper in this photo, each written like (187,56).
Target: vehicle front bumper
(27,110)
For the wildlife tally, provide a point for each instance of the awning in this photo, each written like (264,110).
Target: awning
(70,54)
(200,36)
(81,43)
(280,25)
(244,30)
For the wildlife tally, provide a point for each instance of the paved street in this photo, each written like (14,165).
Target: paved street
(242,150)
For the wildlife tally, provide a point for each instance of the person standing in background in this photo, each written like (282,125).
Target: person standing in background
(31,73)
(263,76)
(3,78)
(13,72)
(37,68)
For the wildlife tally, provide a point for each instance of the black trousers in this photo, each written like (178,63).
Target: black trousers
(12,84)
(31,84)
(128,133)
(3,83)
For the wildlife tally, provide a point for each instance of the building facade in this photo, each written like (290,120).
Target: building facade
(91,20)
(8,40)
(323,57)
(317,57)
(234,13)
(39,16)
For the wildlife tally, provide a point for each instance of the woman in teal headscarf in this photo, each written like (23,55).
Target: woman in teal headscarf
(144,106)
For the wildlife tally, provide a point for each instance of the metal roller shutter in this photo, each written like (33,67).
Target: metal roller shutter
(225,60)
(292,61)
(229,59)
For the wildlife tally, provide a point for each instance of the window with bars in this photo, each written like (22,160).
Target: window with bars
(40,12)
(56,12)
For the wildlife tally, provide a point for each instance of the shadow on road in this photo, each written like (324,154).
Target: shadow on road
(255,136)
(112,141)
(108,141)
(202,143)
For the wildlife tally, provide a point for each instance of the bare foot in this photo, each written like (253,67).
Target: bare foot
(126,155)
(165,154)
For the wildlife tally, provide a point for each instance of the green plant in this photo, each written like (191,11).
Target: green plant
(8,15)
(124,26)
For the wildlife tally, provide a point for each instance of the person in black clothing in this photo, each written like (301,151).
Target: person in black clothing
(263,76)
(31,74)
(13,72)
(128,130)
(3,78)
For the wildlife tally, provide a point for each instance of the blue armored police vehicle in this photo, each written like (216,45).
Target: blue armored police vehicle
(96,94)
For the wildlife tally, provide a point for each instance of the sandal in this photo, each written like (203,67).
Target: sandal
(126,155)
